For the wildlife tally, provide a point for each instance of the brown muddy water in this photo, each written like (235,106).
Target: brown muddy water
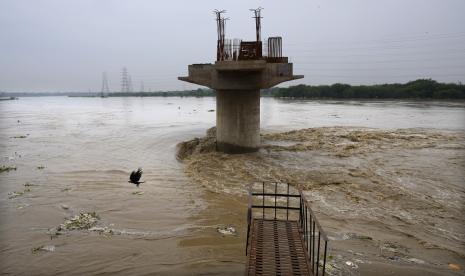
(386,179)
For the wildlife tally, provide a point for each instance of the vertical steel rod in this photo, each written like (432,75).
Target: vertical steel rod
(318,254)
(263,200)
(287,204)
(309,242)
(305,225)
(313,245)
(324,258)
(275,193)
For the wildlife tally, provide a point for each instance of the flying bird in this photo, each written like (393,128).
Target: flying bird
(135,177)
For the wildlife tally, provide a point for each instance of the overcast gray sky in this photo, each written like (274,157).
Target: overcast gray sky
(65,45)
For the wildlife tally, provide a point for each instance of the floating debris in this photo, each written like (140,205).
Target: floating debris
(350,236)
(66,189)
(105,231)
(22,206)
(108,231)
(227,230)
(415,260)
(46,248)
(331,267)
(64,206)
(41,167)
(138,193)
(351,264)
(211,110)
(19,137)
(82,221)
(454,266)
(18,194)
(4,168)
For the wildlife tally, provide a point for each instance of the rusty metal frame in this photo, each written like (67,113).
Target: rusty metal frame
(250,50)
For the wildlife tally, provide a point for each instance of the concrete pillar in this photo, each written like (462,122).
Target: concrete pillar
(238,120)
(238,84)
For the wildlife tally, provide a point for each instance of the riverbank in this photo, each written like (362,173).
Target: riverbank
(421,89)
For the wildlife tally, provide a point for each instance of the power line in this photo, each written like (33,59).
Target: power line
(327,48)
(411,38)
(296,56)
(382,74)
(382,68)
(315,62)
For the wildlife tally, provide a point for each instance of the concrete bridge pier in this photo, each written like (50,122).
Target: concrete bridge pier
(237,84)
(237,120)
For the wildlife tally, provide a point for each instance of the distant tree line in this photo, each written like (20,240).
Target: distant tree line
(185,93)
(418,89)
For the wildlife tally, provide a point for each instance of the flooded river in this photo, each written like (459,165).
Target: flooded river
(386,179)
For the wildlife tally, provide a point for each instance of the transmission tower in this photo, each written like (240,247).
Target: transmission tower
(130,84)
(124,80)
(105,89)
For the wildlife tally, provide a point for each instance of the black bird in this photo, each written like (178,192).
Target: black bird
(135,177)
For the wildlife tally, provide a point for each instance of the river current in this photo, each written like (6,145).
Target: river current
(385,177)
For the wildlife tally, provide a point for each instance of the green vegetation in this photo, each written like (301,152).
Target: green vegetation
(4,168)
(418,89)
(186,93)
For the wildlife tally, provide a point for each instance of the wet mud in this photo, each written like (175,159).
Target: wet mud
(391,201)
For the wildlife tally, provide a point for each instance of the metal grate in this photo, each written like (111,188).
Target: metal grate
(277,249)
(283,234)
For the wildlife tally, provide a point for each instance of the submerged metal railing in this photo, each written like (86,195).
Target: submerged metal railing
(271,202)
(315,238)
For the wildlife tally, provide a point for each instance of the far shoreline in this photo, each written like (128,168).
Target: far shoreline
(421,89)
